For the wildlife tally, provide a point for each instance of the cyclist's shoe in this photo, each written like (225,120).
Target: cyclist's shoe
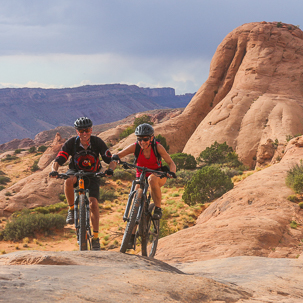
(157,213)
(131,243)
(95,244)
(70,216)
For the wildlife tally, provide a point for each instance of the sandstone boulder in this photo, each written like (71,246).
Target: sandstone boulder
(51,152)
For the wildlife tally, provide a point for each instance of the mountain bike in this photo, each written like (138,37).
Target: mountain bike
(139,214)
(82,209)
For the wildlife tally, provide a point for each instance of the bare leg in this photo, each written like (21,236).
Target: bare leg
(94,208)
(69,190)
(155,184)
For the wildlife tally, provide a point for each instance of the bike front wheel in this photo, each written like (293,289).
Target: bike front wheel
(131,222)
(150,234)
(82,233)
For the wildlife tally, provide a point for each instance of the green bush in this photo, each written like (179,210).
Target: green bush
(42,148)
(35,166)
(26,225)
(2,187)
(162,141)
(206,184)
(184,161)
(32,149)
(142,119)
(183,176)
(122,174)
(220,154)
(107,195)
(294,178)
(9,158)
(18,150)
(128,131)
(4,180)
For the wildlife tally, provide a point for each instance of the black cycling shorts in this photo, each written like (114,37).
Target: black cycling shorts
(91,183)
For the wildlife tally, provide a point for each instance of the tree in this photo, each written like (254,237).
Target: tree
(142,119)
(184,161)
(162,140)
(216,153)
(207,184)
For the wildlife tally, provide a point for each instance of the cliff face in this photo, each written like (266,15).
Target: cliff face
(253,93)
(25,112)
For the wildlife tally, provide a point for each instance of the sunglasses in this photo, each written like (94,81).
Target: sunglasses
(143,139)
(86,130)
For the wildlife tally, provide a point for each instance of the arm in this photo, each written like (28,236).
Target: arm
(126,151)
(166,157)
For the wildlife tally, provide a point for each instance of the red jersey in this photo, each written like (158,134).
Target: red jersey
(151,163)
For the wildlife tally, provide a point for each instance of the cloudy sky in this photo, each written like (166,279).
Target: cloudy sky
(150,43)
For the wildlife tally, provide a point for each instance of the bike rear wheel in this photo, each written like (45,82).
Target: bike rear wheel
(150,234)
(131,223)
(83,239)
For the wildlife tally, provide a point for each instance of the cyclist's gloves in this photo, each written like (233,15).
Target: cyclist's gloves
(172,174)
(115,158)
(109,172)
(53,174)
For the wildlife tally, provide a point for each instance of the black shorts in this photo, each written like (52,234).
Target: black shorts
(91,183)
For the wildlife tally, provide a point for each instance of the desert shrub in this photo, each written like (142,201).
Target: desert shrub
(289,137)
(53,208)
(9,158)
(32,149)
(220,154)
(292,198)
(183,176)
(128,131)
(142,119)
(4,180)
(35,166)
(301,205)
(2,187)
(42,148)
(206,184)
(122,174)
(294,178)
(62,197)
(107,195)
(184,161)
(164,229)
(162,141)
(27,225)
(18,150)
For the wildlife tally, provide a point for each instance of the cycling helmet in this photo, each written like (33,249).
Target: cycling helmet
(144,129)
(83,122)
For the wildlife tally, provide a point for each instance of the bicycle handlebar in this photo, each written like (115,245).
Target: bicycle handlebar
(80,173)
(126,165)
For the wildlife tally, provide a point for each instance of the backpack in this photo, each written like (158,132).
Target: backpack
(86,160)
(154,148)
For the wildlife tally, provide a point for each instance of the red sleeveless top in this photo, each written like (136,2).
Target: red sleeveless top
(151,163)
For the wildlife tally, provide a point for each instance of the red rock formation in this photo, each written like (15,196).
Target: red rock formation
(50,154)
(256,85)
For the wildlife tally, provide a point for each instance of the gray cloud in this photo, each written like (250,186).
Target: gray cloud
(137,32)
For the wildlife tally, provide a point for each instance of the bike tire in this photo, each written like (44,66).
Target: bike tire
(150,234)
(82,223)
(132,220)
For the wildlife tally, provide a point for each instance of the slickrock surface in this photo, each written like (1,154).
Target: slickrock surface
(104,277)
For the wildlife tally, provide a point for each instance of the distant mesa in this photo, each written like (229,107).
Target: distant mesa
(25,112)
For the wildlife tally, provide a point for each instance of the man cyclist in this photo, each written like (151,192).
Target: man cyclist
(84,150)
(147,151)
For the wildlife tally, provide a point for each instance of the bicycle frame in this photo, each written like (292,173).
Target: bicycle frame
(139,202)
(144,185)
(81,205)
